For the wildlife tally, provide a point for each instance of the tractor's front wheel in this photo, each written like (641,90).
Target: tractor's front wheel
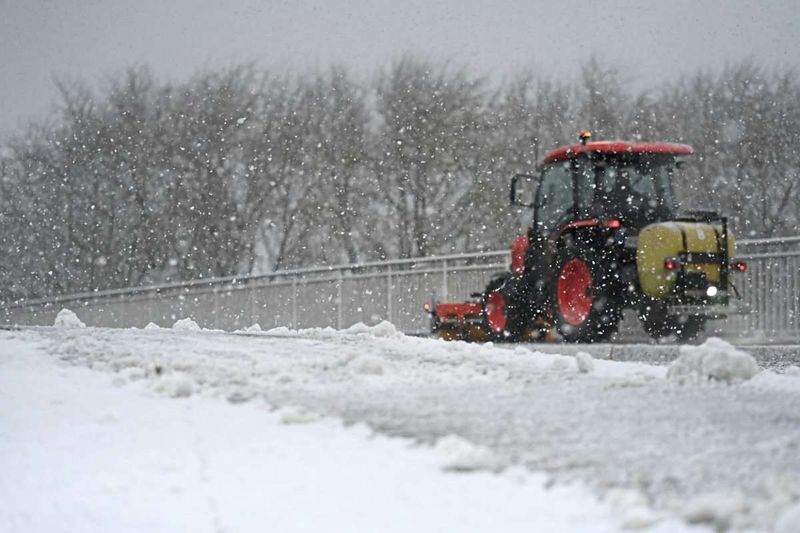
(503,316)
(585,308)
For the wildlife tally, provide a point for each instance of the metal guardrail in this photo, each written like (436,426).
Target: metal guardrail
(339,296)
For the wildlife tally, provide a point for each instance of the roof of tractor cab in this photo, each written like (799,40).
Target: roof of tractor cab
(617,147)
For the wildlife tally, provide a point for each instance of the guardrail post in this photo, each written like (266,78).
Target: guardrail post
(294,302)
(251,300)
(339,300)
(152,306)
(794,317)
(215,312)
(389,293)
(444,280)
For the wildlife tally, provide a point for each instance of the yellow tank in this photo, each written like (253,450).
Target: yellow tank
(663,240)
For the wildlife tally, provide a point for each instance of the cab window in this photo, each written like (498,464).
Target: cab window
(638,189)
(554,199)
(585,182)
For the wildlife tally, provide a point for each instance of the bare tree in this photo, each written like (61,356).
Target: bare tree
(430,121)
(240,171)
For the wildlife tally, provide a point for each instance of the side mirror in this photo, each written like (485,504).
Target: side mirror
(523,187)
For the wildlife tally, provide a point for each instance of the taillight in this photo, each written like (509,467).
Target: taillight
(739,266)
(614,223)
(672,264)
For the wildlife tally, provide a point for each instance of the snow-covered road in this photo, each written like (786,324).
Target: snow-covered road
(81,455)
(723,454)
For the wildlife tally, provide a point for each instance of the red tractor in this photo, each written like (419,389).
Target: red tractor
(606,236)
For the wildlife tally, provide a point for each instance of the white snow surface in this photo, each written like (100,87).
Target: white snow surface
(585,362)
(789,521)
(81,454)
(204,430)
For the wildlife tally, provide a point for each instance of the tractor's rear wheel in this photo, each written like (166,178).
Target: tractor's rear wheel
(585,309)
(659,323)
(503,316)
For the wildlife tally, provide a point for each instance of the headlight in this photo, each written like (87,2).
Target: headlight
(711,291)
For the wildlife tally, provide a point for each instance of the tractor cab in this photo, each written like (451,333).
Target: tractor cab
(597,182)
(586,190)
(634,188)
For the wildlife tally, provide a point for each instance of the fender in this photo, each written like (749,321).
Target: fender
(519,249)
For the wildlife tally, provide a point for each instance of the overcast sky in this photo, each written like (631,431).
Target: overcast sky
(650,41)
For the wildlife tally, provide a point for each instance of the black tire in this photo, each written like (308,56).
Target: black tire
(659,324)
(504,316)
(585,300)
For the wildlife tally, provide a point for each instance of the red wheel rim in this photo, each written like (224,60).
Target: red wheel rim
(496,312)
(575,292)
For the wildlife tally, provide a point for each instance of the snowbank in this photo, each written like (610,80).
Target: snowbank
(383,329)
(186,324)
(461,455)
(281,331)
(67,319)
(714,360)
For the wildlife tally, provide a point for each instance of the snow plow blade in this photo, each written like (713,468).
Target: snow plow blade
(464,321)
(457,321)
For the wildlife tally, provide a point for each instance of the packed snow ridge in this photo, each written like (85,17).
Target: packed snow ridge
(714,360)
(460,455)
(186,324)
(67,319)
